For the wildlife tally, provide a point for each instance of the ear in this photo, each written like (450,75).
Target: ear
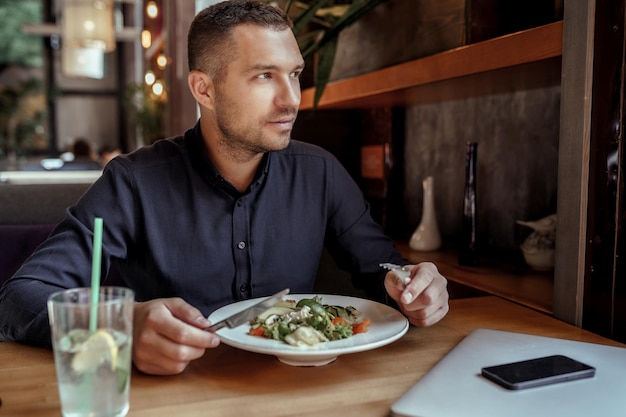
(201,86)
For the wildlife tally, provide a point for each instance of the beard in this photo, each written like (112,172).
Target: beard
(245,139)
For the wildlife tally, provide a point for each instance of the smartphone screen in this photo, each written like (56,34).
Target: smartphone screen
(537,372)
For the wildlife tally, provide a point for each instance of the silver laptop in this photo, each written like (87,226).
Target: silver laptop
(455,387)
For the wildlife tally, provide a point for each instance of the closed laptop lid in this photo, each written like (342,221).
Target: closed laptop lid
(454,387)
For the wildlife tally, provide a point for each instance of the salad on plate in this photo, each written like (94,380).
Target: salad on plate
(308,322)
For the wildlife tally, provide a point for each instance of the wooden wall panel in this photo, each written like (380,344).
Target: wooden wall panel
(602,310)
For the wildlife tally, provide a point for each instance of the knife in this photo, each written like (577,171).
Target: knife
(245,315)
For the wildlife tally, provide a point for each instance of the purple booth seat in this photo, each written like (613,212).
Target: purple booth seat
(18,242)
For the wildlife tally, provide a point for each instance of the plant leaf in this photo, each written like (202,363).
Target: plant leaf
(288,6)
(324,41)
(305,17)
(357,9)
(307,40)
(325,66)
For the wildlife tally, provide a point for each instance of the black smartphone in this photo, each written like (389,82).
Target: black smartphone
(537,372)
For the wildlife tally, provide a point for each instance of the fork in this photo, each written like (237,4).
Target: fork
(401,271)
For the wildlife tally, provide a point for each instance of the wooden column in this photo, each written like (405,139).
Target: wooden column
(182,111)
(603,311)
(590,280)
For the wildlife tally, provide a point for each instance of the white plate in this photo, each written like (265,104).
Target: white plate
(388,325)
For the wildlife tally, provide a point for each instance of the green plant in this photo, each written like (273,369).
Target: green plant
(22,111)
(23,101)
(317,25)
(16,47)
(145,110)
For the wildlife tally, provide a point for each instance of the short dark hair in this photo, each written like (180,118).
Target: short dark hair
(209,40)
(81,147)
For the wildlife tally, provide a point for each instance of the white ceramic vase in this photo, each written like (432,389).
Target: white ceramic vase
(427,237)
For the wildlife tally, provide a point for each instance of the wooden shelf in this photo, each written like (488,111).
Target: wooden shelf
(518,284)
(522,60)
(401,84)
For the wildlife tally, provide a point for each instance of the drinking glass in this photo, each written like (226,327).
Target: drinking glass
(92,358)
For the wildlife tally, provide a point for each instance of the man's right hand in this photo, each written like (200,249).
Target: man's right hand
(168,334)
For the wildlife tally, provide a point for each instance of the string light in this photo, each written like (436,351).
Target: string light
(149,78)
(157,88)
(152,10)
(161,61)
(146,39)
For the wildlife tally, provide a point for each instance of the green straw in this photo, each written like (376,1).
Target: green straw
(95,273)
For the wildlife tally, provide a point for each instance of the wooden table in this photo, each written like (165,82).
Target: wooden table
(232,382)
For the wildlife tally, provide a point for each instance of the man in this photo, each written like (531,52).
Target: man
(233,209)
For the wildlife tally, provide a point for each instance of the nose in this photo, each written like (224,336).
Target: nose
(289,94)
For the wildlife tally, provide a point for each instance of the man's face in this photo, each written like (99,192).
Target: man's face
(257,101)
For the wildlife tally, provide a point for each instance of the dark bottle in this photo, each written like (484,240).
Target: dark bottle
(468,251)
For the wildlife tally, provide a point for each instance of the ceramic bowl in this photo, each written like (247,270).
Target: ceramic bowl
(540,260)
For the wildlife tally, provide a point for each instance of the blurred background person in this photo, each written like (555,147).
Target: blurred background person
(84,158)
(108,152)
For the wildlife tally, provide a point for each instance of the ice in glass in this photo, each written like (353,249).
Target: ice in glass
(93,364)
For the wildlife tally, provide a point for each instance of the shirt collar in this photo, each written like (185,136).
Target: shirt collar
(201,162)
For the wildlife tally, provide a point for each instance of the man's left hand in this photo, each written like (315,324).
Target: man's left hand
(424,300)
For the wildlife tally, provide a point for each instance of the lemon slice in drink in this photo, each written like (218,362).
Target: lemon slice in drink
(100,347)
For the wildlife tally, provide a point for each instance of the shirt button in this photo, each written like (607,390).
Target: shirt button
(241,245)
(243,288)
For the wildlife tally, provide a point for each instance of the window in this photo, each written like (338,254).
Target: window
(23,91)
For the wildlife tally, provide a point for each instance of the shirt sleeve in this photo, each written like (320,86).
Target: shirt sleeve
(62,261)
(355,241)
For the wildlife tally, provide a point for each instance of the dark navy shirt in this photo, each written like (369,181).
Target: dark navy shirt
(176,227)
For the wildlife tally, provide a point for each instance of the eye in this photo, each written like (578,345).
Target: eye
(264,76)
(296,74)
